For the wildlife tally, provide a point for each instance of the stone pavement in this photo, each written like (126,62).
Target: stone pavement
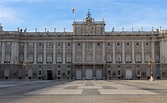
(86,91)
(98,87)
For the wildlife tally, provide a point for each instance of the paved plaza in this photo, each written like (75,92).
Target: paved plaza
(84,91)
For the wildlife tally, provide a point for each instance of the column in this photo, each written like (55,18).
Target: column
(25,51)
(44,58)
(123,52)
(152,50)
(103,51)
(83,52)
(163,49)
(142,48)
(12,51)
(64,51)
(17,52)
(113,51)
(83,74)
(3,52)
(94,72)
(133,59)
(73,52)
(93,52)
(54,53)
(35,53)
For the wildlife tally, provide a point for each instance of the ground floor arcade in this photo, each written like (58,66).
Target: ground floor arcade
(82,71)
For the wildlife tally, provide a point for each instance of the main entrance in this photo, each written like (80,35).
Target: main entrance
(88,74)
(128,74)
(49,75)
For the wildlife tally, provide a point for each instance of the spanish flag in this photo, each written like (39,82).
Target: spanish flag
(73,10)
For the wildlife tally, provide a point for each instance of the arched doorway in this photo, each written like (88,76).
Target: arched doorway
(88,73)
(128,74)
(78,73)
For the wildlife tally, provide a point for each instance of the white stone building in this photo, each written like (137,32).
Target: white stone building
(89,52)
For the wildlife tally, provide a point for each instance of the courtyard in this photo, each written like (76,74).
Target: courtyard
(83,91)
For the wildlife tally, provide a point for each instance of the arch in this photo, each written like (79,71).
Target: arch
(128,72)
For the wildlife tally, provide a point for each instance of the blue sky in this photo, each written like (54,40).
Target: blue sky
(48,14)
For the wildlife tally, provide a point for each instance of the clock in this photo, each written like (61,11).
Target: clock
(88,29)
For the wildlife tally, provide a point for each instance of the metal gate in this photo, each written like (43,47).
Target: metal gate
(128,74)
(88,74)
(78,74)
(98,74)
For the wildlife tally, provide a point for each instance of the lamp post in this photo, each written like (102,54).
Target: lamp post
(26,63)
(151,63)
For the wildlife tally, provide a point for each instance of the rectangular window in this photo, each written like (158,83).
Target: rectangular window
(69,44)
(108,44)
(39,72)
(98,43)
(39,59)
(49,44)
(68,72)
(49,59)
(40,44)
(78,44)
(59,44)
(118,44)
(146,43)
(127,44)
(8,44)
(58,72)
(30,45)
(137,44)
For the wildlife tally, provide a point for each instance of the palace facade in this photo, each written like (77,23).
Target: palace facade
(89,52)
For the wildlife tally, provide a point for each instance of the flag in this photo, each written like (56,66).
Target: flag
(73,10)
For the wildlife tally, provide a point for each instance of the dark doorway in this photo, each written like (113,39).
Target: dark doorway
(49,75)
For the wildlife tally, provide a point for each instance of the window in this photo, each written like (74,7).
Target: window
(147,44)
(69,44)
(49,44)
(109,59)
(30,58)
(8,44)
(59,44)
(59,58)
(7,59)
(128,58)
(49,59)
(98,43)
(118,58)
(68,59)
(58,72)
(0,44)
(127,44)
(40,44)
(119,72)
(138,72)
(108,44)
(22,44)
(118,44)
(147,57)
(68,72)
(78,44)
(137,44)
(21,59)
(138,59)
(30,45)
(39,59)
(39,72)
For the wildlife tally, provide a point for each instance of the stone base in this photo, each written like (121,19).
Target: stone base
(151,78)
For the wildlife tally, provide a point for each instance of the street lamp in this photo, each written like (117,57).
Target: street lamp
(26,63)
(151,63)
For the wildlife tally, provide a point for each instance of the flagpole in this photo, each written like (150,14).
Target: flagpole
(73,11)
